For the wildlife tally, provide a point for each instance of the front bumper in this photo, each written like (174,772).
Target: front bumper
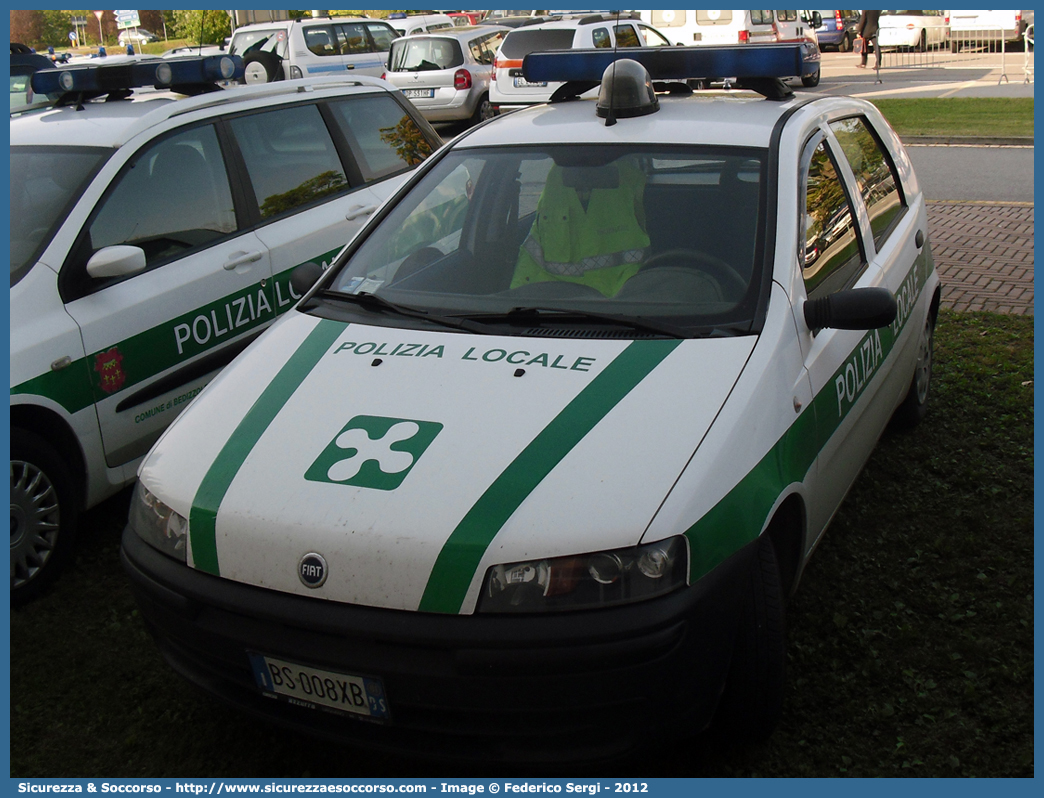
(584,686)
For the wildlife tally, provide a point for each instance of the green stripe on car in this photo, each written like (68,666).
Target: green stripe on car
(741,514)
(215,484)
(165,345)
(461,554)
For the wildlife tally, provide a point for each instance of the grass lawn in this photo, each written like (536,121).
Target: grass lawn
(910,639)
(959,116)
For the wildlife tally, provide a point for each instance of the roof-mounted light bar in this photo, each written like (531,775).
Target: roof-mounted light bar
(191,75)
(675,63)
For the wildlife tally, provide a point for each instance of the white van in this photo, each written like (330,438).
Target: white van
(739,27)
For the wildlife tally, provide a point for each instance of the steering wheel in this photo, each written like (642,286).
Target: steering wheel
(716,267)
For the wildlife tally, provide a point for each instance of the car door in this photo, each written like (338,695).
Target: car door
(318,170)
(364,47)
(845,367)
(156,337)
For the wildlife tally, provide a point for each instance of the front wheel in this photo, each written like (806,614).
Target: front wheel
(810,81)
(752,702)
(43,514)
(915,405)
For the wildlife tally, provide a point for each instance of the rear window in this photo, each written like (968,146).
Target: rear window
(244,41)
(419,55)
(521,43)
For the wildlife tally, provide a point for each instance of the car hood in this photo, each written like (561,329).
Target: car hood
(408,457)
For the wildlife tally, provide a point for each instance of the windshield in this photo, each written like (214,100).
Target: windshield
(667,234)
(418,55)
(45,183)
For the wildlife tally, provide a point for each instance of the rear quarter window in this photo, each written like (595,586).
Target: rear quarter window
(875,175)
(384,137)
(521,43)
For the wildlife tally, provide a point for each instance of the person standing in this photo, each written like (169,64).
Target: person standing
(869,22)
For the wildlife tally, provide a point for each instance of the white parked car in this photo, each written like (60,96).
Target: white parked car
(412,24)
(152,238)
(447,74)
(532,469)
(136,36)
(917,30)
(312,46)
(511,90)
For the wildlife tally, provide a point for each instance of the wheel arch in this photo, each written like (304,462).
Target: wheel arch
(786,530)
(54,429)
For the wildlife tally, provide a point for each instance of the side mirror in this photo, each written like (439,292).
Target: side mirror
(303,277)
(817,19)
(117,261)
(854,309)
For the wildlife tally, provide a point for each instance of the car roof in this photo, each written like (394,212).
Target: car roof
(112,124)
(462,32)
(736,118)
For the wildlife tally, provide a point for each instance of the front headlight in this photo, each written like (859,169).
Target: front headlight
(587,581)
(158,525)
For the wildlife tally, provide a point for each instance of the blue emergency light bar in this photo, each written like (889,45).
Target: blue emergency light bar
(675,63)
(189,75)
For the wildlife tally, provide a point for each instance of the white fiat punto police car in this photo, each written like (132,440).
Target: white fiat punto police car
(531,470)
(152,237)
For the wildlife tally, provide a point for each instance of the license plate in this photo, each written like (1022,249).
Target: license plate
(314,688)
(414,94)
(522,83)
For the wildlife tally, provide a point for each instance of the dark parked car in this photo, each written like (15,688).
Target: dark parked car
(838,30)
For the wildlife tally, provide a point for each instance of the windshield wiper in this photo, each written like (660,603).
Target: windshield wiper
(378,304)
(531,315)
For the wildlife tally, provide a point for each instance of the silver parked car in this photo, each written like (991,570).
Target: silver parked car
(447,74)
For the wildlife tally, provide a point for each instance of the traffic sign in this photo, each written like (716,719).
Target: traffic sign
(127,19)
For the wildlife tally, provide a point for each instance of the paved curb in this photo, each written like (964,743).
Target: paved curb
(971,141)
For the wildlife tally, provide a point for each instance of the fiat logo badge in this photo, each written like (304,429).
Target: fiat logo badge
(312,570)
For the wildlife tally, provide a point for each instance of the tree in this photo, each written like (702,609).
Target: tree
(215,26)
(27,27)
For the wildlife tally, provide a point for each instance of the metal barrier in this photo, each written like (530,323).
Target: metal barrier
(1027,61)
(985,47)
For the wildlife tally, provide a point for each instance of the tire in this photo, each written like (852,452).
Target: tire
(810,81)
(483,110)
(915,405)
(922,43)
(262,67)
(954,46)
(846,44)
(44,511)
(752,701)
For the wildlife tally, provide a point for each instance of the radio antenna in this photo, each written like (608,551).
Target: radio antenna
(610,118)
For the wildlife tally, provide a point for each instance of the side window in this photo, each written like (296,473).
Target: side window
(875,175)
(290,158)
(381,36)
(353,39)
(787,16)
(384,137)
(626,36)
(174,197)
(761,18)
(320,41)
(600,37)
(831,257)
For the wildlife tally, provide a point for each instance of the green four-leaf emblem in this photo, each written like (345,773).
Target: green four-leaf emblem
(373,452)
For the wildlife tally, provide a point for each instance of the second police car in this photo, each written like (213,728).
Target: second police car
(532,469)
(152,237)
